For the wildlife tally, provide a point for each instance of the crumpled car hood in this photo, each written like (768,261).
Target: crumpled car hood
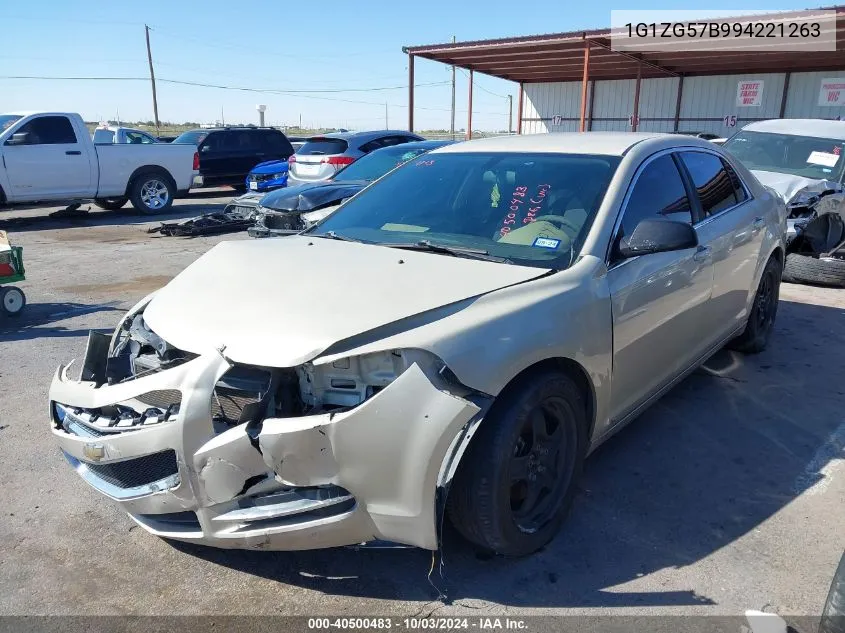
(311,196)
(788,186)
(280,303)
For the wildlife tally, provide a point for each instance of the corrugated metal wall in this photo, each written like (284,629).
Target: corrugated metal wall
(803,98)
(554,98)
(705,103)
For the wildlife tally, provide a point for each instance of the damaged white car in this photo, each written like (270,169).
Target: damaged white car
(801,159)
(451,342)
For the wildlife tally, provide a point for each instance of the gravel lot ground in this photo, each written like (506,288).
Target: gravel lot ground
(727,495)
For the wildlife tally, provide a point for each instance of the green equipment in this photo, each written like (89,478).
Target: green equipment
(12,298)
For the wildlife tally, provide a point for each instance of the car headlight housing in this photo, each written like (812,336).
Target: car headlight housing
(280,175)
(347,382)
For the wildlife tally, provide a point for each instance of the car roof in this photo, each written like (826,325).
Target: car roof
(603,143)
(412,145)
(800,127)
(360,136)
(233,128)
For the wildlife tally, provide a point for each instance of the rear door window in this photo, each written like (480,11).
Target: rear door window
(739,189)
(49,130)
(713,185)
(241,141)
(138,138)
(376,143)
(323,146)
(277,143)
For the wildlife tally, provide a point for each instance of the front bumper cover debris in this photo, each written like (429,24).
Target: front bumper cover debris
(366,473)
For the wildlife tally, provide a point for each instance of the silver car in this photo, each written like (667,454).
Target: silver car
(453,340)
(321,157)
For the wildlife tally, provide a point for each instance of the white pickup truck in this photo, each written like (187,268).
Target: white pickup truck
(51,156)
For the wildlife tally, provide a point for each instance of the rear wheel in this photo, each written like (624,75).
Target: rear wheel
(152,192)
(516,484)
(12,301)
(755,337)
(111,204)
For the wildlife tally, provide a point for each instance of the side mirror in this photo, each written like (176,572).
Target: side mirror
(21,138)
(658,236)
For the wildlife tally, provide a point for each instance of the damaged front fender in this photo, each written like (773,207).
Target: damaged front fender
(387,453)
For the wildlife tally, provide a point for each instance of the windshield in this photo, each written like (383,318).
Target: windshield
(319,146)
(194,137)
(805,156)
(378,163)
(7,119)
(532,209)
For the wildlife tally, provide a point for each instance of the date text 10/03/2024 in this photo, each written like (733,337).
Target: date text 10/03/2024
(416,624)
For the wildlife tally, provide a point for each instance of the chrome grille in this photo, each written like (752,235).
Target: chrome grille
(141,471)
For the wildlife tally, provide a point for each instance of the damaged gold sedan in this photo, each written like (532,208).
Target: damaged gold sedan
(451,342)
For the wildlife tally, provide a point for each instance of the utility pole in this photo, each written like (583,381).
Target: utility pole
(510,114)
(152,77)
(452,126)
(386,122)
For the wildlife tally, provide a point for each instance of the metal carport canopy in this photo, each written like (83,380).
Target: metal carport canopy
(583,55)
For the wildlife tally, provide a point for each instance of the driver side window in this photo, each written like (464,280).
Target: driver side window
(658,192)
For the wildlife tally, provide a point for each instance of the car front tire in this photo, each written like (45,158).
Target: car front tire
(514,487)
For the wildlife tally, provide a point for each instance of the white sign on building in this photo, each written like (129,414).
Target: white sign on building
(749,93)
(832,92)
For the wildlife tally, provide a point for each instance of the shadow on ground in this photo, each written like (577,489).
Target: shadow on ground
(195,204)
(715,458)
(34,321)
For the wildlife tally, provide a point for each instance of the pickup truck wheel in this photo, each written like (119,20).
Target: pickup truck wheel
(519,476)
(12,301)
(755,337)
(152,192)
(111,204)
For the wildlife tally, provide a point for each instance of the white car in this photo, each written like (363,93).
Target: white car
(109,134)
(802,160)
(455,338)
(51,156)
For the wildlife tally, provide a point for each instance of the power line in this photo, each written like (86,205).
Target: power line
(298,91)
(482,88)
(304,94)
(217,43)
(221,86)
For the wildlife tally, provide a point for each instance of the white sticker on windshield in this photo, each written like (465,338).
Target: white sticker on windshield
(823,158)
(545,242)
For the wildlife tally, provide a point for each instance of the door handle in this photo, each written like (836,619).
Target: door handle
(702,253)
(758,222)
(73,152)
